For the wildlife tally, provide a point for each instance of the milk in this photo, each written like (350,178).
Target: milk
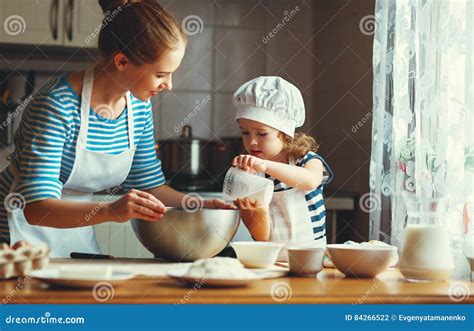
(426,253)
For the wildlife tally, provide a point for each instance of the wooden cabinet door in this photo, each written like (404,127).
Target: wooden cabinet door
(82,23)
(31,22)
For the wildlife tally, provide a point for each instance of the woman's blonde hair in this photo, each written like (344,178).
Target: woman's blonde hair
(298,146)
(141,30)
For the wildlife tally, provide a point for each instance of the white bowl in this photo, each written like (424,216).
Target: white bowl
(257,254)
(305,261)
(363,261)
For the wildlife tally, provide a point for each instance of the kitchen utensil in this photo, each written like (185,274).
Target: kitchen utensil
(86,272)
(53,277)
(362,261)
(305,260)
(426,253)
(188,235)
(88,256)
(179,273)
(257,254)
(242,184)
(185,156)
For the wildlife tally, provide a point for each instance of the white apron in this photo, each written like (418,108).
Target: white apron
(92,172)
(291,221)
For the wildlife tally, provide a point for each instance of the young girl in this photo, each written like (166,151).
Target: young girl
(268,111)
(90,130)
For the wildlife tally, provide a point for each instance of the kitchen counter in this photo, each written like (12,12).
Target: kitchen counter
(329,287)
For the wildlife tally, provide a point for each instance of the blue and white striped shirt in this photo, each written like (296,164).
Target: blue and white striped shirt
(46,138)
(314,198)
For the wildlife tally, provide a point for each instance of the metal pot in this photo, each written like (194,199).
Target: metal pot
(185,156)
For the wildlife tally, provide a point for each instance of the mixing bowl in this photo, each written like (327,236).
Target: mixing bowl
(257,254)
(363,261)
(182,235)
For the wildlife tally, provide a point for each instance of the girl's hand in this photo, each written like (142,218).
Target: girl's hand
(218,204)
(246,204)
(250,163)
(136,204)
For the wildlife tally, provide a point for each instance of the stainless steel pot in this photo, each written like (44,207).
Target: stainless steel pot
(187,236)
(186,155)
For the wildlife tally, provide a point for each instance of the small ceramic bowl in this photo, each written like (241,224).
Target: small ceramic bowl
(363,261)
(305,261)
(257,254)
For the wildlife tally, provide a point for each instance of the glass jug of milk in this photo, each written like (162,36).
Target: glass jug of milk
(426,253)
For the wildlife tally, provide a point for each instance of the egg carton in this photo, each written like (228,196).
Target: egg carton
(20,259)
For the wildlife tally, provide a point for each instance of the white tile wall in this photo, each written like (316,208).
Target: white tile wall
(239,57)
(230,50)
(224,123)
(192,108)
(195,72)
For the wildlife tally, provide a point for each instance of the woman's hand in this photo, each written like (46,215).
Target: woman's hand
(136,204)
(218,204)
(250,163)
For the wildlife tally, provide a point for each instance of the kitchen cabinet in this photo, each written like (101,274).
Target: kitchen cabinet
(70,23)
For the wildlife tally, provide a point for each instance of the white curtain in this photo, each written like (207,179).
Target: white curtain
(423,123)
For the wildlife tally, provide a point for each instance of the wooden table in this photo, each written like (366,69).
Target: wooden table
(330,286)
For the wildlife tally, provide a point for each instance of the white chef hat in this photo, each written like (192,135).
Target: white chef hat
(271,100)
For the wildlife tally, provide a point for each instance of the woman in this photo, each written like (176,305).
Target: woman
(88,131)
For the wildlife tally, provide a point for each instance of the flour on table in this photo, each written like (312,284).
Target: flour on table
(219,267)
